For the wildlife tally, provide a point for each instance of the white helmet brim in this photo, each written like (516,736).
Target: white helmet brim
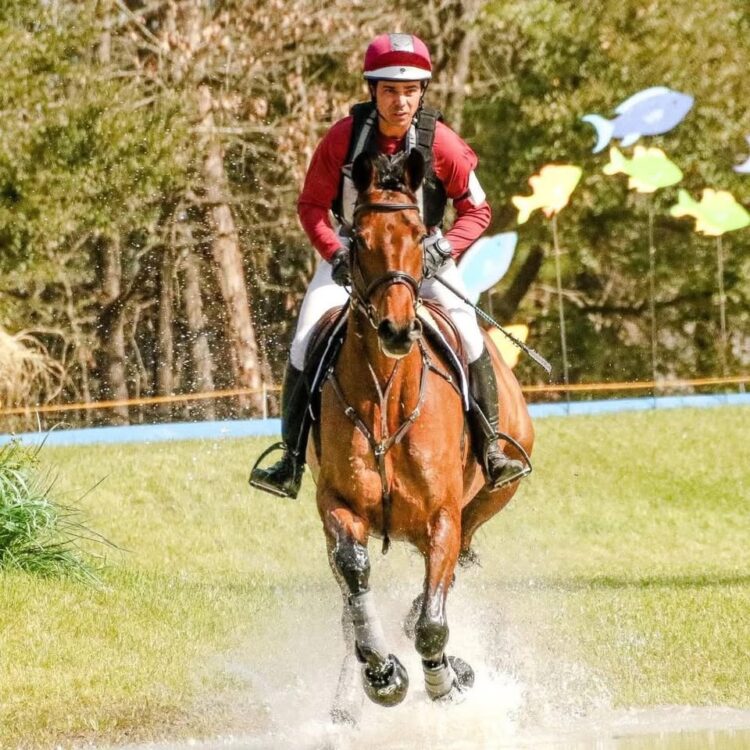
(398,73)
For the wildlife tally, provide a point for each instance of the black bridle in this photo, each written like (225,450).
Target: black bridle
(362,298)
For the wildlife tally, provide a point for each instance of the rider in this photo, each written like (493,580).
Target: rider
(397,68)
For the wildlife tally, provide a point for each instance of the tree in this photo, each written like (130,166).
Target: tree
(152,152)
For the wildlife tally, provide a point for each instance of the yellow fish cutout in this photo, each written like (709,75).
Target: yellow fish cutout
(552,189)
(508,350)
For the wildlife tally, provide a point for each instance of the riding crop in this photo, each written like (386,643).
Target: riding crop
(538,358)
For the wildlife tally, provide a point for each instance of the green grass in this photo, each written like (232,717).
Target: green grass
(626,551)
(37,534)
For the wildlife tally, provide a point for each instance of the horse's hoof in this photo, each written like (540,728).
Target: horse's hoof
(386,687)
(448,680)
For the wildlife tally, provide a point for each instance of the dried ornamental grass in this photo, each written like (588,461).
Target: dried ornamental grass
(38,535)
(28,374)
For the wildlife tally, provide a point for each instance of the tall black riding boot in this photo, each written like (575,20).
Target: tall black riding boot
(484,419)
(285,476)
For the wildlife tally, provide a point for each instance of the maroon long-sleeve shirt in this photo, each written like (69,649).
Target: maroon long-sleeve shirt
(453,163)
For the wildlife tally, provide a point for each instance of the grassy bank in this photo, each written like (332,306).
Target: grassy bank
(626,551)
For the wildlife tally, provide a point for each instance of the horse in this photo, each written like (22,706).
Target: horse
(390,453)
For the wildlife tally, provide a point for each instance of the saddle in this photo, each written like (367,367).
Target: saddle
(322,350)
(328,335)
(324,337)
(442,333)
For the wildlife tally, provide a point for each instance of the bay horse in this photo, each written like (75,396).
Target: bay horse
(391,454)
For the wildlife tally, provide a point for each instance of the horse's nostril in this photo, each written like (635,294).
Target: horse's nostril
(415,329)
(386,329)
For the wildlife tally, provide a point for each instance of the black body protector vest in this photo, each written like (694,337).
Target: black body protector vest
(431,196)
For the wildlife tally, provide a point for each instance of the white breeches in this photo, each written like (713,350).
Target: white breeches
(462,314)
(324,294)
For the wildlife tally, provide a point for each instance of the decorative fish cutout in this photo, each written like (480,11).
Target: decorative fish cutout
(552,188)
(508,350)
(649,169)
(486,262)
(744,168)
(718,212)
(653,111)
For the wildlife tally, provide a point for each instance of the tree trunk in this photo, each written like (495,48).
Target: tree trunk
(454,36)
(111,328)
(203,377)
(454,108)
(165,363)
(225,250)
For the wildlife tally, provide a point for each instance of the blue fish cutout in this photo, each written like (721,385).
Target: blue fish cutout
(486,262)
(653,111)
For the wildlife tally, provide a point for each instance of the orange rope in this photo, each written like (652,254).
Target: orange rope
(137,401)
(641,385)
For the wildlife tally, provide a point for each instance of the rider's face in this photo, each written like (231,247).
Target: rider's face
(397,103)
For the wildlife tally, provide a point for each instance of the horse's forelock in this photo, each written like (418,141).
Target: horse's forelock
(389,172)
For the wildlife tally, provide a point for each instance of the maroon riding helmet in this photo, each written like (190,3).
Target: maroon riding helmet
(397,57)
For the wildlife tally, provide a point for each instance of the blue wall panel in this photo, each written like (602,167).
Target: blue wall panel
(271,427)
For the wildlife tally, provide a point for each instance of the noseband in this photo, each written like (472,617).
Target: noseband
(389,278)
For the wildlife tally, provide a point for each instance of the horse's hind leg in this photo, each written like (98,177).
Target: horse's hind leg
(383,677)
(409,624)
(443,675)
(485,504)
(347,703)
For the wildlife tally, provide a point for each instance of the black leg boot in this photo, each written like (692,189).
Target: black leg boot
(285,476)
(499,470)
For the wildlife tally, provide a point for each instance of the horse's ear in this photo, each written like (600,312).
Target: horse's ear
(414,170)
(362,172)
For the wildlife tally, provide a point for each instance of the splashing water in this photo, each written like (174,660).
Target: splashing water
(292,674)
(526,692)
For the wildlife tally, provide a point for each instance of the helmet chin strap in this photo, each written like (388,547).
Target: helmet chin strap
(425,84)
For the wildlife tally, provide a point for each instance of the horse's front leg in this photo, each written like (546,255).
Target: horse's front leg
(444,676)
(384,678)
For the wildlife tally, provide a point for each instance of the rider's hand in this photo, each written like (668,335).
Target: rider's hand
(437,252)
(340,267)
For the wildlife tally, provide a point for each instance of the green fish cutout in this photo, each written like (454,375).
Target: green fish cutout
(717,212)
(649,169)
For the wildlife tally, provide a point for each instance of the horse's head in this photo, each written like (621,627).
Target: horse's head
(386,255)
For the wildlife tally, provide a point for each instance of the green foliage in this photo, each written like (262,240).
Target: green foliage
(37,535)
(80,152)
(104,142)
